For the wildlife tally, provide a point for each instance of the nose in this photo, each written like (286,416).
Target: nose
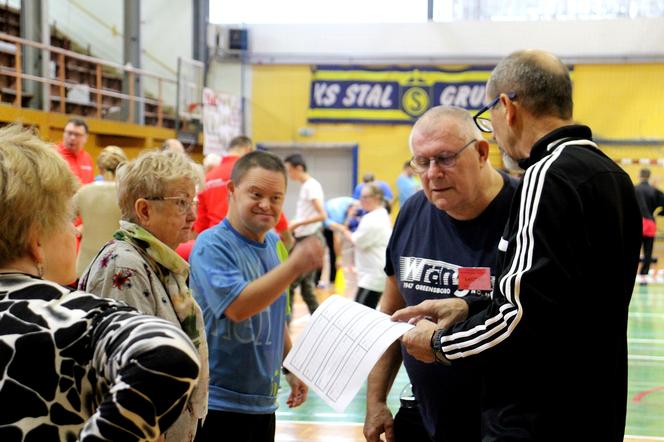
(192,212)
(264,204)
(434,170)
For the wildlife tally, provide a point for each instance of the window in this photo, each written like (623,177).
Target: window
(318,11)
(525,10)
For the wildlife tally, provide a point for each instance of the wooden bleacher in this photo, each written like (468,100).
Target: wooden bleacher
(75,71)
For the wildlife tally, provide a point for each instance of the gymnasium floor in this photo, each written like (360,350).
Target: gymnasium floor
(314,421)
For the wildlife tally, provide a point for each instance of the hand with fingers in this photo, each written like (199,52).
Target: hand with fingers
(377,421)
(444,312)
(429,316)
(299,391)
(308,254)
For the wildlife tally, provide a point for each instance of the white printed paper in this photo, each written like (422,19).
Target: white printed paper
(340,346)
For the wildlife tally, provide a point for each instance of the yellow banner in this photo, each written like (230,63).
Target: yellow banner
(392,95)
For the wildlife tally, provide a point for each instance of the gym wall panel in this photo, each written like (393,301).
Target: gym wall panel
(624,102)
(621,100)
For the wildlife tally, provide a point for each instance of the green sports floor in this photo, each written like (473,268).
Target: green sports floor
(645,402)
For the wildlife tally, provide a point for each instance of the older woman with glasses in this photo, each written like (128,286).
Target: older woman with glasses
(74,366)
(157,196)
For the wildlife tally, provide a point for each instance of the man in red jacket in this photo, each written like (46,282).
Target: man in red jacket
(72,149)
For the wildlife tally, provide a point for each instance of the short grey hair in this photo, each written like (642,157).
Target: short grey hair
(148,176)
(431,121)
(540,80)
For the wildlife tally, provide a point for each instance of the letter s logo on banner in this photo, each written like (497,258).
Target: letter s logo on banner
(415,100)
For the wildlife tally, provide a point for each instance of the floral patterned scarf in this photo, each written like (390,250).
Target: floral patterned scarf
(186,309)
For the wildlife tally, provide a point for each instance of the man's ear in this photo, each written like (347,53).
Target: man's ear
(143,211)
(510,109)
(483,150)
(230,192)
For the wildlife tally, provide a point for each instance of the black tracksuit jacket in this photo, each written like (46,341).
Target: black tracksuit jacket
(553,341)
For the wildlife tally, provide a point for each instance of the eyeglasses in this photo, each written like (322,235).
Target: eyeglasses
(483,123)
(182,204)
(447,160)
(69,133)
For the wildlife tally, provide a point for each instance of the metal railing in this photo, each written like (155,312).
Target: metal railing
(62,83)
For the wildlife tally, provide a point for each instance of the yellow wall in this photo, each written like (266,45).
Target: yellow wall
(616,101)
(279,110)
(623,102)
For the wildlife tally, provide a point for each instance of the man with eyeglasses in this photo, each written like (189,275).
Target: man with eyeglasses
(553,339)
(72,149)
(453,225)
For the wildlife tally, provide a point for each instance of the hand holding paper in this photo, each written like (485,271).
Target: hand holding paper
(339,347)
(444,312)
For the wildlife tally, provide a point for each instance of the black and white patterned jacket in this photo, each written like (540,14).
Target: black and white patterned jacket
(78,367)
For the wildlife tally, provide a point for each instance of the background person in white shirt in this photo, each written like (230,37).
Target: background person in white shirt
(370,241)
(309,217)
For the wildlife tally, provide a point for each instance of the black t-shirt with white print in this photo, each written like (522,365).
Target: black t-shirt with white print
(425,251)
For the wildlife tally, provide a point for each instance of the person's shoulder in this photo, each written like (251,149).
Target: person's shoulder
(415,202)
(121,254)
(384,185)
(416,208)
(85,154)
(271,239)
(379,215)
(313,186)
(217,235)
(510,183)
(34,290)
(582,163)
(82,300)
(313,182)
(25,288)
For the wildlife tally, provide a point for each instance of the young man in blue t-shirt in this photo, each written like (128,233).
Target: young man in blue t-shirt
(455,223)
(240,282)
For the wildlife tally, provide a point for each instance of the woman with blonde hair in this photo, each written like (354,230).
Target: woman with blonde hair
(370,241)
(97,205)
(74,366)
(157,197)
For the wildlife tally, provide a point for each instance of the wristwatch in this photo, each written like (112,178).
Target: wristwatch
(436,346)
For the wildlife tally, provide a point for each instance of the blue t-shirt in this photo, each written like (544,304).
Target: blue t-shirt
(424,253)
(245,357)
(406,187)
(337,209)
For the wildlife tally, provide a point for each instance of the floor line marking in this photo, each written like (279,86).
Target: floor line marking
(645,341)
(644,437)
(645,358)
(637,397)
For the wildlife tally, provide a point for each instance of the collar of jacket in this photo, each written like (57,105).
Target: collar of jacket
(545,145)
